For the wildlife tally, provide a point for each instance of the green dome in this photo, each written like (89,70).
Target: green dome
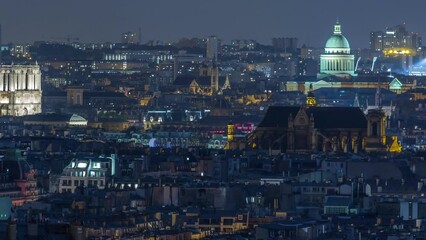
(337,41)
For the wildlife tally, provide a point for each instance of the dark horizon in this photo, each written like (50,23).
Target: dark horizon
(166,20)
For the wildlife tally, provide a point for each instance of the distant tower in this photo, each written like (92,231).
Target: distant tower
(356,100)
(378,97)
(214,80)
(75,96)
(212,48)
(230,136)
(310,99)
(376,127)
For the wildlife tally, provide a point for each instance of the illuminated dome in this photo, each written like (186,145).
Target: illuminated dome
(337,59)
(337,41)
(77,120)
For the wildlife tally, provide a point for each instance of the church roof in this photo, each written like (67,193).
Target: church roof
(324,117)
(201,80)
(277,116)
(338,117)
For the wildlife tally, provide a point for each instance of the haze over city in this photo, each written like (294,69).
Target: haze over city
(212,120)
(26,21)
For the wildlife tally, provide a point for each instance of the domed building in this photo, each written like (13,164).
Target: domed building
(337,59)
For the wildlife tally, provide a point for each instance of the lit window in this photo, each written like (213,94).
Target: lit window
(82,165)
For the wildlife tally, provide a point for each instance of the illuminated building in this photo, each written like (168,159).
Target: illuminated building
(230,136)
(94,172)
(286,44)
(56,120)
(394,52)
(20,90)
(129,38)
(337,59)
(396,37)
(337,70)
(203,85)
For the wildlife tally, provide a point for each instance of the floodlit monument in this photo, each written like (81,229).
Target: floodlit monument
(20,90)
(337,59)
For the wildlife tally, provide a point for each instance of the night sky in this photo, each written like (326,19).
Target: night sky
(25,21)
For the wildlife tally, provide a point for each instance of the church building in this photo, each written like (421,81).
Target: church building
(20,90)
(311,128)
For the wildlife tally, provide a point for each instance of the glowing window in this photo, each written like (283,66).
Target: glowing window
(82,165)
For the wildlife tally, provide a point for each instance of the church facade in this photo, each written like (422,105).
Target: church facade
(20,90)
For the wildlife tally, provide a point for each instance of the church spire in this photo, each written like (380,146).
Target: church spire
(356,100)
(378,99)
(310,99)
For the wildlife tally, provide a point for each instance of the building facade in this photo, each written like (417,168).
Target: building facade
(337,58)
(86,172)
(396,37)
(20,90)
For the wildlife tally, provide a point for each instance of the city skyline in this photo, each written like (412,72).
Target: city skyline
(169,21)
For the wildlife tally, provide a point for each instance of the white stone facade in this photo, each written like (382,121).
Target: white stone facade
(20,90)
(337,59)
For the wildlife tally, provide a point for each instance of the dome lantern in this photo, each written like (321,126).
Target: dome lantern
(337,28)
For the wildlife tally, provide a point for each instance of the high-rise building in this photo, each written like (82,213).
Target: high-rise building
(394,37)
(129,38)
(288,44)
(212,48)
(239,44)
(20,90)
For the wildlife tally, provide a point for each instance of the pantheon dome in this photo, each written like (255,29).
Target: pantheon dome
(337,58)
